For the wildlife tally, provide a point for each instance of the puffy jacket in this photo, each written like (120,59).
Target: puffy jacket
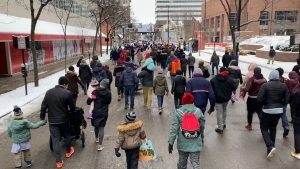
(183,144)
(160,85)
(19,130)
(99,72)
(58,103)
(223,87)
(73,82)
(130,135)
(101,98)
(201,90)
(174,66)
(292,82)
(109,76)
(183,62)
(226,60)
(114,55)
(85,73)
(179,84)
(118,73)
(129,77)
(146,78)
(215,59)
(149,63)
(272,53)
(252,87)
(273,94)
(191,61)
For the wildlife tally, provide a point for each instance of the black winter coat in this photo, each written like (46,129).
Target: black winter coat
(223,87)
(295,102)
(73,82)
(179,84)
(101,98)
(273,94)
(109,76)
(183,62)
(58,103)
(85,73)
(118,73)
(226,60)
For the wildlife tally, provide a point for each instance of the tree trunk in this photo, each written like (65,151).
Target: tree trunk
(95,41)
(34,54)
(66,52)
(100,35)
(233,40)
(108,38)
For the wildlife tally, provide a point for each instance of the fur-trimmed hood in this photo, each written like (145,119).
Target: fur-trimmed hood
(130,128)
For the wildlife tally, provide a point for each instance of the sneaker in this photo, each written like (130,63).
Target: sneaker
(97,140)
(126,107)
(286,133)
(119,98)
(220,131)
(248,127)
(59,164)
(18,167)
(295,155)
(69,154)
(271,153)
(100,147)
(28,163)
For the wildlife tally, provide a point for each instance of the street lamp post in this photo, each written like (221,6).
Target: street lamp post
(239,25)
(168,25)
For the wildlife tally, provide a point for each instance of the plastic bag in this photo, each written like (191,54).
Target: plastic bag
(147,152)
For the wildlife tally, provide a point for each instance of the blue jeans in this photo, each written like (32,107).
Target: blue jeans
(129,92)
(160,101)
(284,120)
(213,68)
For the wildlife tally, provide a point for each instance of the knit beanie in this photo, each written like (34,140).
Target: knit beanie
(104,83)
(198,72)
(130,117)
(147,55)
(187,98)
(17,112)
(274,75)
(63,80)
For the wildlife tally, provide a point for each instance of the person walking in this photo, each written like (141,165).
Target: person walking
(173,68)
(226,59)
(214,62)
(59,105)
(129,81)
(79,61)
(272,54)
(146,78)
(292,83)
(204,69)
(160,88)
(114,56)
(183,62)
(274,96)
(295,110)
(202,91)
(101,97)
(99,72)
(73,83)
(187,125)
(223,87)
(109,76)
(235,74)
(130,138)
(19,132)
(85,75)
(191,63)
(252,88)
(178,88)
(94,62)
(140,56)
(118,70)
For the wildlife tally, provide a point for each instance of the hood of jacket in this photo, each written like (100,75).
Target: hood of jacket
(223,76)
(101,92)
(18,124)
(160,79)
(128,69)
(293,75)
(130,128)
(71,74)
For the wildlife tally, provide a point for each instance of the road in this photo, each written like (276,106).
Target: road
(237,148)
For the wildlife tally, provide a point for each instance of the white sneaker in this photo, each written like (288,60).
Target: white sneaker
(97,140)
(100,147)
(293,154)
(271,153)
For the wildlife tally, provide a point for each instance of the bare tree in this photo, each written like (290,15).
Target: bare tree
(63,15)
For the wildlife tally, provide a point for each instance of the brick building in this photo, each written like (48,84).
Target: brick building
(276,17)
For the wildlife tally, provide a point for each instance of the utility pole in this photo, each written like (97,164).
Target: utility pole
(271,23)
(168,25)
(238,26)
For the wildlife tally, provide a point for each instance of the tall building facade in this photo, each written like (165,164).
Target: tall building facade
(180,13)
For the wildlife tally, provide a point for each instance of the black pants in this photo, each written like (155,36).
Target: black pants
(191,71)
(120,90)
(132,158)
(184,72)
(57,131)
(177,99)
(253,107)
(296,125)
(268,124)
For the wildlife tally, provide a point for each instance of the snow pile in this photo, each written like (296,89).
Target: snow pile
(268,41)
(18,97)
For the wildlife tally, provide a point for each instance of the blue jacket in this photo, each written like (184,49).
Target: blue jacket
(202,91)
(129,77)
(99,72)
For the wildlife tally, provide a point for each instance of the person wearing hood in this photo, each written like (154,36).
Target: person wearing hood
(99,72)
(129,81)
(160,88)
(191,63)
(204,69)
(19,132)
(109,75)
(252,88)
(85,75)
(146,78)
(178,88)
(114,56)
(118,70)
(292,84)
(187,125)
(183,62)
(101,97)
(94,62)
(223,87)
(73,83)
(274,97)
(170,59)
(130,138)
(214,62)
(236,75)
(226,59)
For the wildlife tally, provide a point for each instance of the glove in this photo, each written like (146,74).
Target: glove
(170,149)
(212,109)
(117,152)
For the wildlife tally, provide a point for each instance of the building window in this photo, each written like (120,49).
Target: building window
(218,21)
(264,18)
(212,23)
(290,16)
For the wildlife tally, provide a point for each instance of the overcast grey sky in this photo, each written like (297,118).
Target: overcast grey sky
(144,10)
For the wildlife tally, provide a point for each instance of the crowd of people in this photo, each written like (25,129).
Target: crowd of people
(191,91)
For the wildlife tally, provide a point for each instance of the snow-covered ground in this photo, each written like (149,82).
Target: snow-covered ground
(32,102)
(268,41)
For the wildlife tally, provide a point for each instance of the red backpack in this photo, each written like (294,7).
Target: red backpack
(190,126)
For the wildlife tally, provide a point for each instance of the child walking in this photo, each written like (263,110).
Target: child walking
(19,131)
(160,88)
(93,86)
(130,139)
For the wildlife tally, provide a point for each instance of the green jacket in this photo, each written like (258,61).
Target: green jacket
(19,130)
(160,85)
(183,144)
